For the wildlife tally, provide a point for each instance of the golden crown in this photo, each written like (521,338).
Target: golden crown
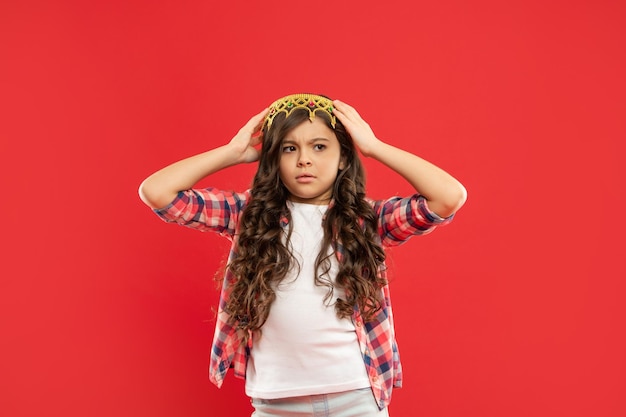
(311,102)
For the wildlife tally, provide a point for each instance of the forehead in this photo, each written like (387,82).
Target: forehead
(309,130)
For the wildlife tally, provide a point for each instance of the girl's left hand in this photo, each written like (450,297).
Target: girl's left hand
(361,132)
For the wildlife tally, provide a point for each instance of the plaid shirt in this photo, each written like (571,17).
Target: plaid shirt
(219,211)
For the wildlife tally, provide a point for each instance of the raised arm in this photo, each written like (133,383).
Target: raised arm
(444,193)
(160,188)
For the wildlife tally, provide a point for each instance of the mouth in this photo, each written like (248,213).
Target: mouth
(305,177)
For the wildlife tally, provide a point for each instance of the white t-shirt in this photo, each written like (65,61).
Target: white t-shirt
(304,349)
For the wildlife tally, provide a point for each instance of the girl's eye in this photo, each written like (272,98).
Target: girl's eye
(319,147)
(288,149)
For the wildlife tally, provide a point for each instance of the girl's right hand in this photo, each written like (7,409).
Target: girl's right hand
(160,188)
(248,137)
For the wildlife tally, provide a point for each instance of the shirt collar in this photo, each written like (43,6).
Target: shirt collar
(284,220)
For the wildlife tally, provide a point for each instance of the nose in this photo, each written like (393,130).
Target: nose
(304,160)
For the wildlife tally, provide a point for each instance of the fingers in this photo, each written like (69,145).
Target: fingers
(349,117)
(251,133)
(256,122)
(360,131)
(345,111)
(343,107)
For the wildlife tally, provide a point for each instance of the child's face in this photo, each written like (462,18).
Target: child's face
(309,161)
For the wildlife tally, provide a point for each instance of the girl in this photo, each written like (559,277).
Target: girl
(304,314)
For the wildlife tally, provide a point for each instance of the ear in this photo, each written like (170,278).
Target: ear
(342,163)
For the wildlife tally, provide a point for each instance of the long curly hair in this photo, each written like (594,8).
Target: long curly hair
(263,257)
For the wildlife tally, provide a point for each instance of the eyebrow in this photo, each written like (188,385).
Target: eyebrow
(291,141)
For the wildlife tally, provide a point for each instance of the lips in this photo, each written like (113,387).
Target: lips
(305,177)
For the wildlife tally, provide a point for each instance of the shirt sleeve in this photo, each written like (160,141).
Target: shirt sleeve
(400,218)
(207,209)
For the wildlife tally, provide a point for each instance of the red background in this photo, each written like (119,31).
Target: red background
(516,309)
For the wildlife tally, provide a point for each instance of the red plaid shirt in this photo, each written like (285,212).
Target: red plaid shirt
(399,219)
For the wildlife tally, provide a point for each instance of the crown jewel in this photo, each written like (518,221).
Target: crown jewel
(311,102)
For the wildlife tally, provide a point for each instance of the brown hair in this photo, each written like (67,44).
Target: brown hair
(263,257)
